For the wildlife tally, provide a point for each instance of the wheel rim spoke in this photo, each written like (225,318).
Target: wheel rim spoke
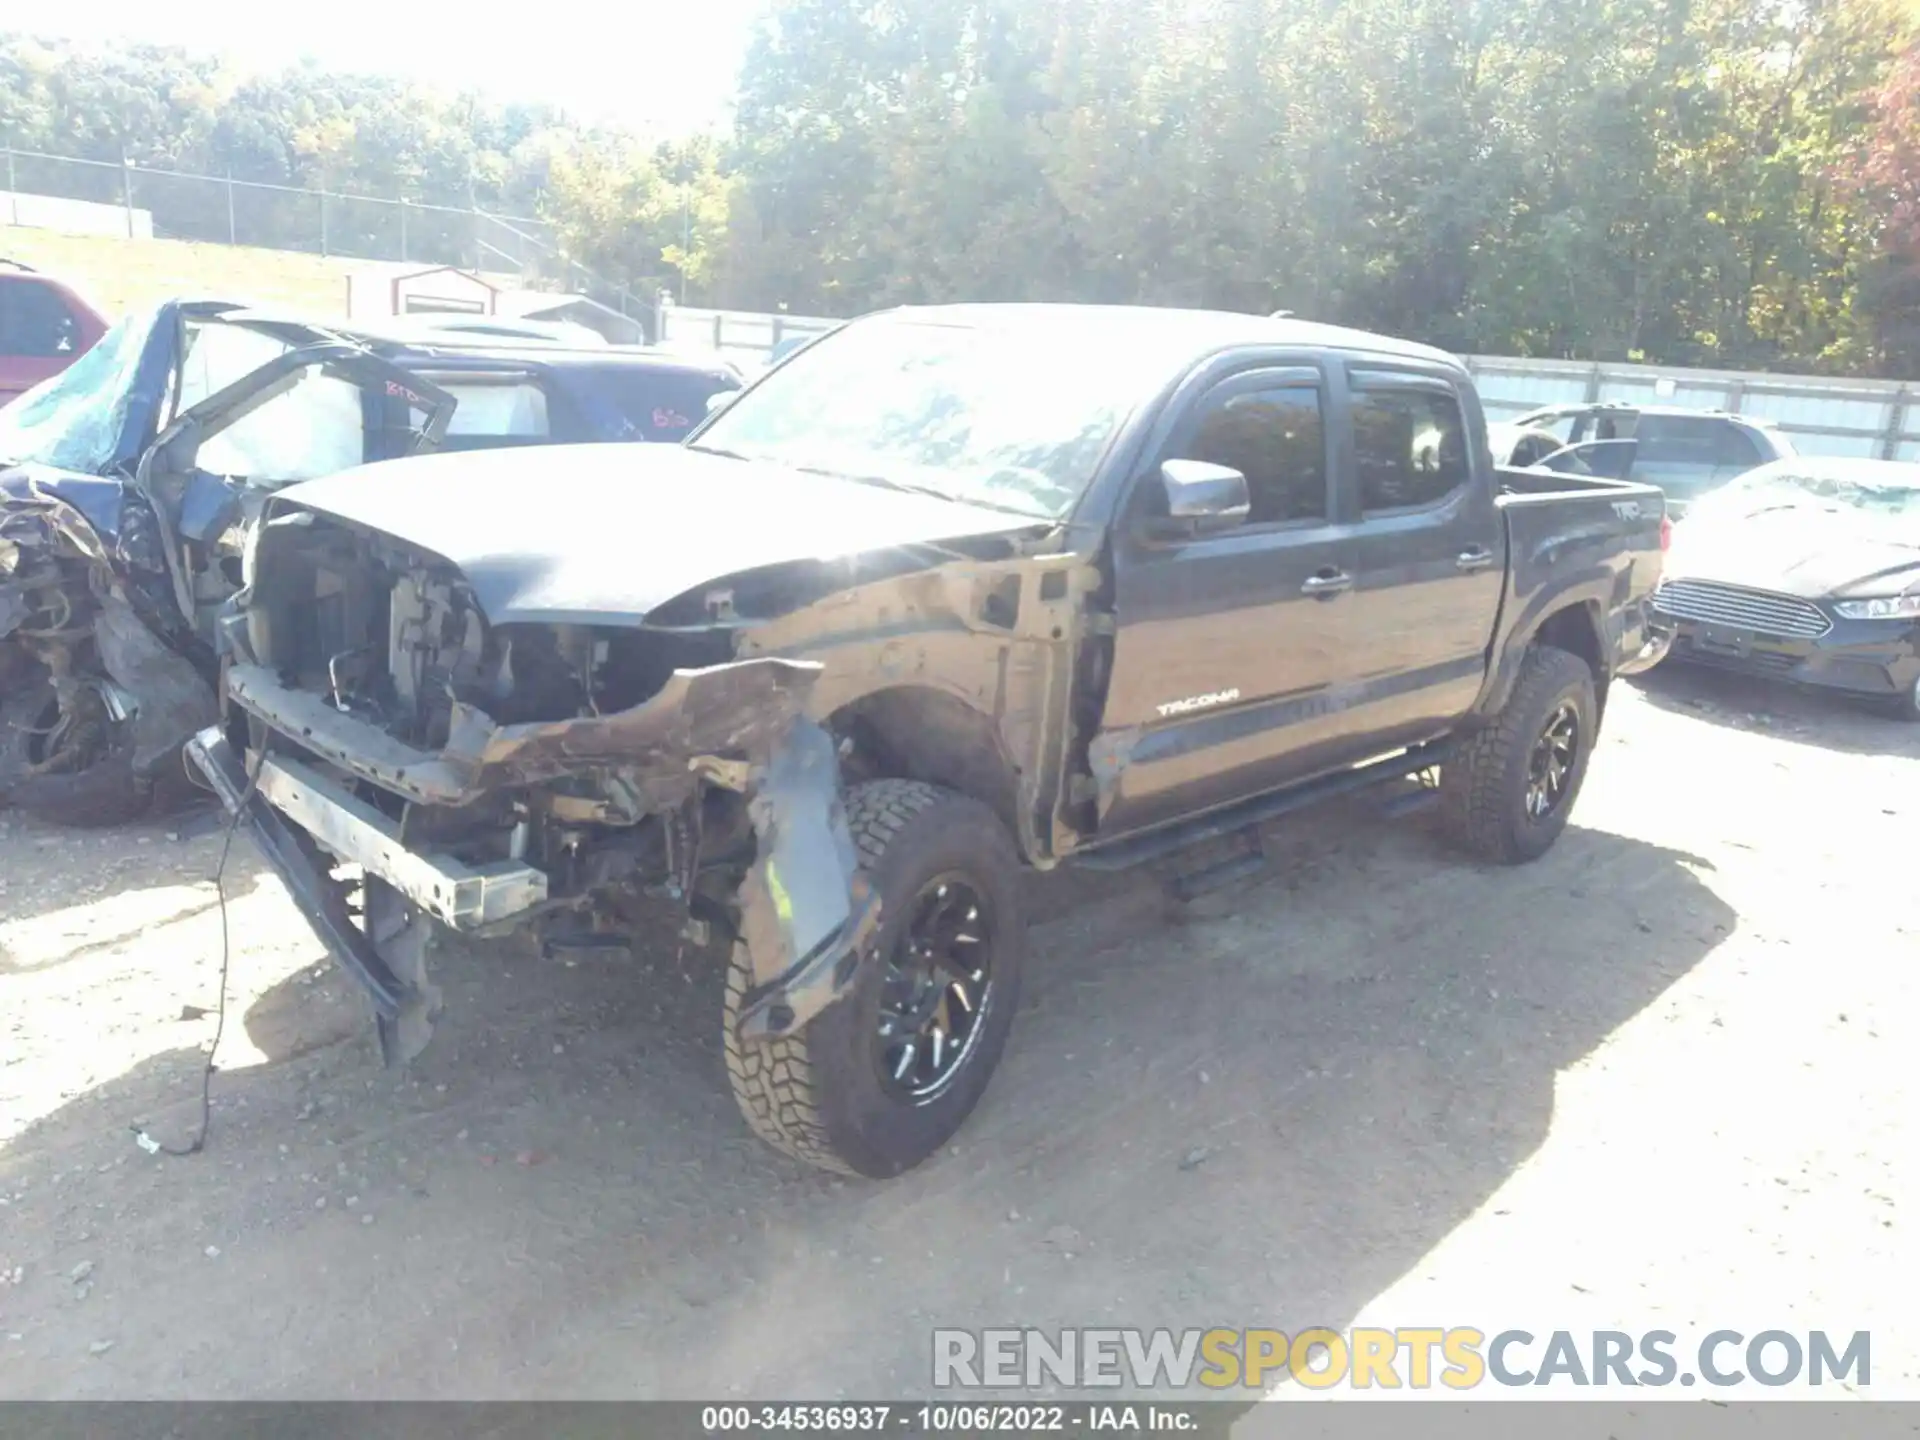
(1551,764)
(936,987)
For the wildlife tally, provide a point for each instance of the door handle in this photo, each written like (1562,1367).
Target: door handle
(1478,558)
(1327,583)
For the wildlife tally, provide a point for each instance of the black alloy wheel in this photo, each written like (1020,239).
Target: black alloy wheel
(936,989)
(1551,764)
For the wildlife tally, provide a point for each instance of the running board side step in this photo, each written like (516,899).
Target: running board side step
(1236,864)
(1250,814)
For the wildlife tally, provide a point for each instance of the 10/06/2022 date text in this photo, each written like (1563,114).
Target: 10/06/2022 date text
(921,1419)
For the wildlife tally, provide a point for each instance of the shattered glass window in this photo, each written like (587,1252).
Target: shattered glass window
(73,421)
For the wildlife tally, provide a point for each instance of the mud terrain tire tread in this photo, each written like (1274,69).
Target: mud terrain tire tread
(779,1085)
(1480,783)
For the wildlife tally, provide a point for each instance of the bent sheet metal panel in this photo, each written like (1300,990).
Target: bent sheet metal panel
(739,709)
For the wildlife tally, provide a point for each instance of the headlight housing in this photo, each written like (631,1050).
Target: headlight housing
(1881,607)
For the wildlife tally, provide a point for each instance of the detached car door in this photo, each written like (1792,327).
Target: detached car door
(1227,645)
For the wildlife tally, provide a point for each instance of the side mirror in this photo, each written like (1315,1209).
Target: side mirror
(1203,498)
(720,399)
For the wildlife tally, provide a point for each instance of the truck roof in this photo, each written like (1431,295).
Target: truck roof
(1196,332)
(1576,407)
(398,339)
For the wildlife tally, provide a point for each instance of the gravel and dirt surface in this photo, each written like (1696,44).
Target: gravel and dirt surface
(1663,1078)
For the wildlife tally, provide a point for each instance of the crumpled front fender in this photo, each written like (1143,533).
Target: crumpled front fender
(807,912)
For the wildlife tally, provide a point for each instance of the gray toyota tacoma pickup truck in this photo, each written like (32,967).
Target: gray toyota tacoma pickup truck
(949,592)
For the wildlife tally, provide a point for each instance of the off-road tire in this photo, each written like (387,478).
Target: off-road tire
(1483,785)
(816,1095)
(106,793)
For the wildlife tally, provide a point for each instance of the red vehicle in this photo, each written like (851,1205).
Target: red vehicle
(44,327)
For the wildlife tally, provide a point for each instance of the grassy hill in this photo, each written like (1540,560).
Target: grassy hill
(119,274)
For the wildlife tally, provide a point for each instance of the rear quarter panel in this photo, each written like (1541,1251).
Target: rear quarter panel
(1572,542)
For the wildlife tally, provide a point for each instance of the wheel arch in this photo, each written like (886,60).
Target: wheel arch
(1579,627)
(918,732)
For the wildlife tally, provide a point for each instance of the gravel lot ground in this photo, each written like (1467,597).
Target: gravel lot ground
(1661,1079)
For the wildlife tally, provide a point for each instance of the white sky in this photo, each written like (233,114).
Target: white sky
(651,65)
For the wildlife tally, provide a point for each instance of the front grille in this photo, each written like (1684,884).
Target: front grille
(1737,608)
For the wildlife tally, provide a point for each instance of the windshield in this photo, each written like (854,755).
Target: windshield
(73,421)
(1009,417)
(1886,500)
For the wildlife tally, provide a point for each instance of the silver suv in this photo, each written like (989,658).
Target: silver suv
(1685,452)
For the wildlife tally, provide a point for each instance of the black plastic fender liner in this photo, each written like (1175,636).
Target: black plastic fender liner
(313,891)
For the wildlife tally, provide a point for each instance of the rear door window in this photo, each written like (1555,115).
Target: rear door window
(514,409)
(632,402)
(1409,446)
(1680,440)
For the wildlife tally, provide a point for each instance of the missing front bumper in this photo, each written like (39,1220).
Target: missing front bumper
(806,912)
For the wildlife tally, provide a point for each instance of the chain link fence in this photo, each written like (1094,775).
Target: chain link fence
(176,205)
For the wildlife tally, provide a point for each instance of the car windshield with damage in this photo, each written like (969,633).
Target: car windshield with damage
(74,420)
(1014,417)
(1882,496)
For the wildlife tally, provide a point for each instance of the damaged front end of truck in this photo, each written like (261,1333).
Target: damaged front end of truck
(716,794)
(539,713)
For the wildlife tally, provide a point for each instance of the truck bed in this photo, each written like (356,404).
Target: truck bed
(1569,534)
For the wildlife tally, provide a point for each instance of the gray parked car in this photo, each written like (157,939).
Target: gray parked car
(1687,453)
